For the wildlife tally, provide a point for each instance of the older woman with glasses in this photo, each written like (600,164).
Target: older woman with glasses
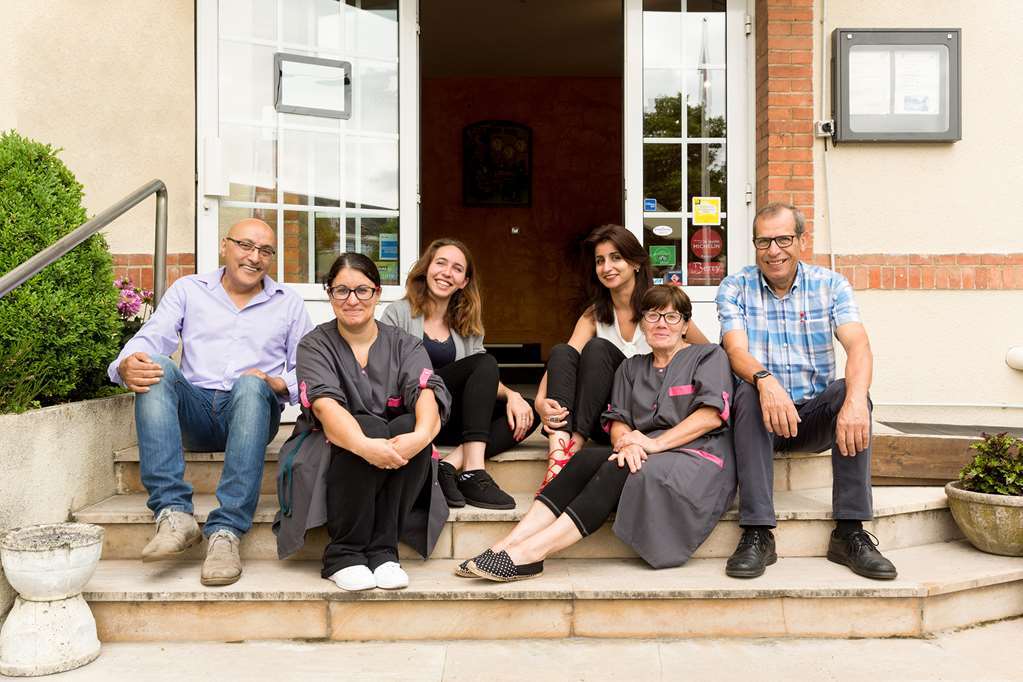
(370,389)
(669,472)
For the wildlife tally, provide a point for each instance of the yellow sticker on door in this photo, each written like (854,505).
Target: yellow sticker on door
(706,210)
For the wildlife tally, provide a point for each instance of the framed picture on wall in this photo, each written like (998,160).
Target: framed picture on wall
(497,164)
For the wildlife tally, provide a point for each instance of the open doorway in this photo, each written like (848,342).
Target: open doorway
(554,68)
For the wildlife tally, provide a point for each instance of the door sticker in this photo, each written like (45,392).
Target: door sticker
(706,210)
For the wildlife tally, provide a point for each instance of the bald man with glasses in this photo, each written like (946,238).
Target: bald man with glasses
(778,320)
(239,332)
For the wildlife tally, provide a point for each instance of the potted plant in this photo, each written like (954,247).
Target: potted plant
(987,500)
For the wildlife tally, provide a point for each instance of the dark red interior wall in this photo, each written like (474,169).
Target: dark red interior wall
(576,185)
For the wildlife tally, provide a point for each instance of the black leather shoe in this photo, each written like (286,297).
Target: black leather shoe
(753,555)
(480,490)
(448,479)
(858,551)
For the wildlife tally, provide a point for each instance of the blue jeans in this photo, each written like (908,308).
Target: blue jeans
(174,413)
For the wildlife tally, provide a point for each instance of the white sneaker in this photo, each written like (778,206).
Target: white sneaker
(391,576)
(354,578)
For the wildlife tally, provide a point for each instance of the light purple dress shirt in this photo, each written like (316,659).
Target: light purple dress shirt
(218,340)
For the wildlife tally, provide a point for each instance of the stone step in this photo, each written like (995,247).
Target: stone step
(940,586)
(517,471)
(904,517)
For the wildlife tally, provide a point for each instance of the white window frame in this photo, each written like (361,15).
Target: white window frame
(738,139)
(208,147)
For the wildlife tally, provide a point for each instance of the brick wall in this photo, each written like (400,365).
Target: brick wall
(139,267)
(963,271)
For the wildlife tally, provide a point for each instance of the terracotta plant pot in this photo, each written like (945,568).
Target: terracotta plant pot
(992,523)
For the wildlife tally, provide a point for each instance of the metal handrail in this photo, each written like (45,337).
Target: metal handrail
(51,253)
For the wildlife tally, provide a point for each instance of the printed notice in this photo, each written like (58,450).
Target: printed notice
(706,210)
(388,246)
(917,82)
(662,256)
(869,82)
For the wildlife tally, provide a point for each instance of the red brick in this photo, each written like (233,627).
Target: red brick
(993,258)
(945,259)
(778,28)
(804,170)
(789,71)
(896,259)
(901,279)
(145,279)
(774,154)
(969,278)
(926,277)
(801,29)
(915,277)
(917,259)
(996,278)
(861,278)
(792,42)
(941,278)
(875,277)
(968,259)
(1017,275)
(955,278)
(799,184)
(800,57)
(1014,258)
(1008,278)
(887,277)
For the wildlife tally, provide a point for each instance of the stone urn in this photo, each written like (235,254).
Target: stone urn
(50,628)
(992,523)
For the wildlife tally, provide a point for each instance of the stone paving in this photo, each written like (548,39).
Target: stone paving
(983,653)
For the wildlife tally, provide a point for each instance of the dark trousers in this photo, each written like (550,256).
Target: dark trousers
(367,506)
(581,382)
(476,413)
(754,455)
(587,489)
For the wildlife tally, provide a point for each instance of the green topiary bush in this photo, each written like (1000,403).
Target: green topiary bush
(59,329)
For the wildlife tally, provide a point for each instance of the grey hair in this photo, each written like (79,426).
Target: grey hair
(776,207)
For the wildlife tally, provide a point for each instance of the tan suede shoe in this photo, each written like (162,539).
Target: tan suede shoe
(175,532)
(223,564)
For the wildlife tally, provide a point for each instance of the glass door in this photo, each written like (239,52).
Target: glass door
(300,126)
(687,130)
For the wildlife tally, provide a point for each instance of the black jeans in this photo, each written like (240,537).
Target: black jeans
(587,489)
(581,382)
(367,506)
(476,413)
(754,455)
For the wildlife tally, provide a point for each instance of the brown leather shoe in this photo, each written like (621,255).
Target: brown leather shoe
(223,564)
(175,532)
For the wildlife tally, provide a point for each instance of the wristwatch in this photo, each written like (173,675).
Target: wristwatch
(760,375)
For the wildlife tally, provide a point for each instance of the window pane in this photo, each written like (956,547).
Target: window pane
(296,246)
(376,238)
(316,23)
(707,255)
(250,159)
(310,166)
(662,35)
(665,232)
(229,215)
(328,242)
(662,176)
(707,173)
(372,29)
(371,173)
(662,103)
(705,102)
(375,97)
(248,18)
(246,82)
(704,40)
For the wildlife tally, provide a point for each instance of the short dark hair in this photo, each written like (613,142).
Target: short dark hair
(668,296)
(776,207)
(356,261)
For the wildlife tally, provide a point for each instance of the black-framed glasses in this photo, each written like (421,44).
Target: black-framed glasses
(784,241)
(653,317)
(247,247)
(341,293)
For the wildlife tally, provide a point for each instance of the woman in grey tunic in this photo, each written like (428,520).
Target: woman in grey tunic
(670,471)
(370,388)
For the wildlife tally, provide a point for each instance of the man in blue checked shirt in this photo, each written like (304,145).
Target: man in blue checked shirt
(778,319)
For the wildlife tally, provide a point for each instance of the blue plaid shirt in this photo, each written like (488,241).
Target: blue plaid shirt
(791,336)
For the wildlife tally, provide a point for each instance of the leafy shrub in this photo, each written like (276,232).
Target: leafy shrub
(995,469)
(59,329)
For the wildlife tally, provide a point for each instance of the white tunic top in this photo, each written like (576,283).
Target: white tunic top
(612,332)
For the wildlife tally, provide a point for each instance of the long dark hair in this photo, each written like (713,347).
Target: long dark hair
(632,251)
(355,261)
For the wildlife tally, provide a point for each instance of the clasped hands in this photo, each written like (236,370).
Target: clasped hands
(632,449)
(392,453)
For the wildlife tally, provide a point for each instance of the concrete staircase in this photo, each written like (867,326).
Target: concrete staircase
(596,588)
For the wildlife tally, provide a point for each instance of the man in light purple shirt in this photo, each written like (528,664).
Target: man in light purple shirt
(239,331)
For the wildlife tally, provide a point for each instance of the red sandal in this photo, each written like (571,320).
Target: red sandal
(559,463)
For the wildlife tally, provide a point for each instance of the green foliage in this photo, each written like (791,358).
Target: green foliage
(59,329)
(996,469)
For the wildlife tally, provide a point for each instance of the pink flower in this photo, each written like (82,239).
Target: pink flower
(129,304)
(123,283)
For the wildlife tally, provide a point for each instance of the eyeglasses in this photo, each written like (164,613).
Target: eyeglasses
(783,241)
(341,293)
(247,246)
(653,317)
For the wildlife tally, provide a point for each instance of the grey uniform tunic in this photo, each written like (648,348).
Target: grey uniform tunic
(670,506)
(397,369)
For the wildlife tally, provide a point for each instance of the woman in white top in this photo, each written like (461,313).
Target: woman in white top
(575,390)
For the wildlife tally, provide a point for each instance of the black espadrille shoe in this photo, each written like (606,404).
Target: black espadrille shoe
(500,568)
(463,568)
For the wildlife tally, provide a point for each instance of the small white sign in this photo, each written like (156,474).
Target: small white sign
(662,230)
